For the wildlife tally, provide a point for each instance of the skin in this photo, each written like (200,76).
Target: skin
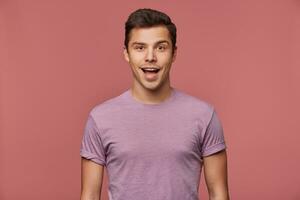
(91,180)
(215,173)
(152,46)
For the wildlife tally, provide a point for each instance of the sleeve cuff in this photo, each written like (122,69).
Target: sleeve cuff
(214,149)
(93,157)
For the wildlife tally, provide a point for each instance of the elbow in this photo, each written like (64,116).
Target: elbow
(86,196)
(219,195)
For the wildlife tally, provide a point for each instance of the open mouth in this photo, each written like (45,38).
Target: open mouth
(150,73)
(149,70)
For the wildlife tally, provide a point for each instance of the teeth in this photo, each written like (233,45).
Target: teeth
(150,69)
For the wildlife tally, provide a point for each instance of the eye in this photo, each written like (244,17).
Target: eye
(161,47)
(139,48)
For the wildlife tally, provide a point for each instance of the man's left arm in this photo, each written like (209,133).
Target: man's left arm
(215,173)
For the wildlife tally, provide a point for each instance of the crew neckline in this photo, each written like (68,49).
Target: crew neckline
(155,105)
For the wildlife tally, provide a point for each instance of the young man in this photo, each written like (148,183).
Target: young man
(153,139)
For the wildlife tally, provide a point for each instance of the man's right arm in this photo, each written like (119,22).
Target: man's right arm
(91,180)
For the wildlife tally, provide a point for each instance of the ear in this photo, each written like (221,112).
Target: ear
(125,53)
(174,54)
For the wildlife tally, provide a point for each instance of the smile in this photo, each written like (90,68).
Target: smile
(150,73)
(149,70)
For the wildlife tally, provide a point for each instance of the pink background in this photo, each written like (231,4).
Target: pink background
(60,58)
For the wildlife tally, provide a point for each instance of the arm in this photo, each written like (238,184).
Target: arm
(91,180)
(215,173)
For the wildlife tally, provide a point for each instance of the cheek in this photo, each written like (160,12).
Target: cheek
(166,60)
(135,59)
(135,64)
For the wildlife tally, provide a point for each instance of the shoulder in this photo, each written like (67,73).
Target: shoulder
(194,101)
(195,105)
(107,107)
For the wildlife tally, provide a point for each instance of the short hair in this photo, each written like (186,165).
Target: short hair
(146,17)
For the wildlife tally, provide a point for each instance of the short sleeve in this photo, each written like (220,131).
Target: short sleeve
(213,140)
(91,144)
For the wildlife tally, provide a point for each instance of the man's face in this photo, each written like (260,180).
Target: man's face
(150,47)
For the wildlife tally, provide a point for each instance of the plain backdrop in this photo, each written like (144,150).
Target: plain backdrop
(61,58)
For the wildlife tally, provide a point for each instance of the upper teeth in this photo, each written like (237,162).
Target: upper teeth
(150,69)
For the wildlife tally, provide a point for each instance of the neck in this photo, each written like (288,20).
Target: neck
(149,96)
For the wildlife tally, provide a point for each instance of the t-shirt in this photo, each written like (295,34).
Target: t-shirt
(152,151)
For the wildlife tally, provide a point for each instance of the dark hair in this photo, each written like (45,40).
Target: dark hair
(147,17)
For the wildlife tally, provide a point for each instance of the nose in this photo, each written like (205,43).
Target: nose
(150,56)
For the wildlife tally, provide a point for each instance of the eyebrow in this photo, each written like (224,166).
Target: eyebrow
(158,42)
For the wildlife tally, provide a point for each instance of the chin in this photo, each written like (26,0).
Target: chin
(152,87)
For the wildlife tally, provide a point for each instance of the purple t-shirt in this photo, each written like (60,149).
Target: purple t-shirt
(152,151)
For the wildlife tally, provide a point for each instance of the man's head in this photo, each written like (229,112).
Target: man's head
(150,42)
(147,17)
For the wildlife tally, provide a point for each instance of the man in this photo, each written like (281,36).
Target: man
(153,139)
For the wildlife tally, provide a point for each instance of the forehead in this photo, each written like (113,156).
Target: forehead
(149,35)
